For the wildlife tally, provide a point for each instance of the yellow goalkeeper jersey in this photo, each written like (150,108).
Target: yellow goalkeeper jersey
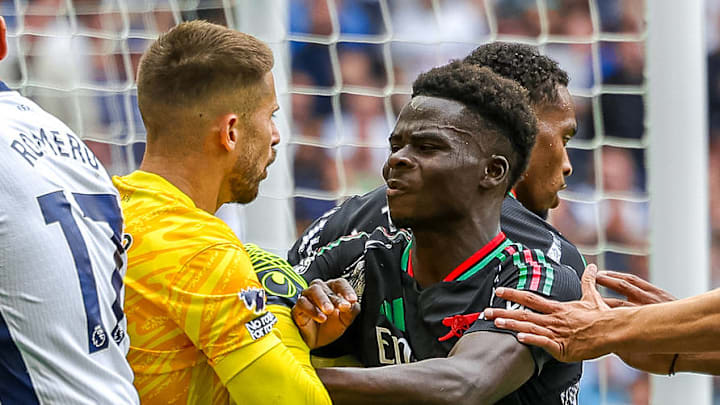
(192,296)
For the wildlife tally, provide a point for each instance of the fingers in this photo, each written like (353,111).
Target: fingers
(528,299)
(532,334)
(343,295)
(551,346)
(347,318)
(305,311)
(617,303)
(635,288)
(320,295)
(522,316)
(523,326)
(588,280)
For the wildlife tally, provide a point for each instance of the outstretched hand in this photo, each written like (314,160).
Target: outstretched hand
(637,290)
(563,329)
(325,310)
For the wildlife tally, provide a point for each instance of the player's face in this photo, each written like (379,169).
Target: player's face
(549,163)
(431,173)
(256,152)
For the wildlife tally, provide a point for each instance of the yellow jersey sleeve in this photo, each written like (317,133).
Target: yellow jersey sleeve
(276,378)
(219,304)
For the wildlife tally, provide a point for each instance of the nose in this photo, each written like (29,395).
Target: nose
(399,159)
(275,137)
(566,165)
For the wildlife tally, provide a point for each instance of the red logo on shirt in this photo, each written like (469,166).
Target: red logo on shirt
(458,324)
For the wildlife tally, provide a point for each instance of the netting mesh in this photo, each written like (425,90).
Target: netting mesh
(344,69)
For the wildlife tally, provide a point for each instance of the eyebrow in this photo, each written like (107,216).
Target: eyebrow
(422,133)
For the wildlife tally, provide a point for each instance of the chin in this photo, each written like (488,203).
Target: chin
(400,219)
(245,196)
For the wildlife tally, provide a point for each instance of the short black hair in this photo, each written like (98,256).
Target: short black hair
(500,103)
(523,63)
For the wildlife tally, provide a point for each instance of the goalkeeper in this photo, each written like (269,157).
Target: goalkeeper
(199,328)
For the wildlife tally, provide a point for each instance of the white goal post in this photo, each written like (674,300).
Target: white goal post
(678,169)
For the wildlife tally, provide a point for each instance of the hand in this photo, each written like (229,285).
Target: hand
(637,290)
(563,332)
(325,310)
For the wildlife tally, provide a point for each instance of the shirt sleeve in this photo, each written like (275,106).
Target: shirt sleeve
(341,258)
(282,285)
(529,270)
(219,304)
(356,214)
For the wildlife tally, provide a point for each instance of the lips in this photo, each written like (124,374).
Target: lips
(396,187)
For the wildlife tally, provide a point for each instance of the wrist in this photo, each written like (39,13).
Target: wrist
(609,331)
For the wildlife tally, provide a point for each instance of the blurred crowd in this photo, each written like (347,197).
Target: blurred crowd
(352,63)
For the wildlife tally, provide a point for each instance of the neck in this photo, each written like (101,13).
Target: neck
(437,252)
(189,174)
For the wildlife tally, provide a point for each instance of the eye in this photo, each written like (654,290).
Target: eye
(394,147)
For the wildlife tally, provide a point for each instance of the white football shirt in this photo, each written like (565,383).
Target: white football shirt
(62,260)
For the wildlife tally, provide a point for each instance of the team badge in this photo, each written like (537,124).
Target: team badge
(555,251)
(254,299)
(458,324)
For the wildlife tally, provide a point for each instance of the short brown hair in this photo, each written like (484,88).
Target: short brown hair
(192,62)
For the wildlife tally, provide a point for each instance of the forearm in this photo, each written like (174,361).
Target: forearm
(433,381)
(706,363)
(687,325)
(465,377)
(277,378)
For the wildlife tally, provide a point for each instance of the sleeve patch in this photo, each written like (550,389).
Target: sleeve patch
(261,326)
(254,299)
(535,273)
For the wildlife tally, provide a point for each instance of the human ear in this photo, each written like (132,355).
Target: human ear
(229,131)
(495,171)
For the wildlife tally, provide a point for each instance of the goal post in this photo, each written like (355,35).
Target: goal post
(678,175)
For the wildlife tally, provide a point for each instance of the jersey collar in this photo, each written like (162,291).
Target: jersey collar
(512,193)
(471,265)
(4,87)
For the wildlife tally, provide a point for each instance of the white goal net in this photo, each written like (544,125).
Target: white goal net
(344,69)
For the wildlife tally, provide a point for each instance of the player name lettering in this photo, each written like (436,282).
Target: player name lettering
(392,349)
(34,145)
(261,326)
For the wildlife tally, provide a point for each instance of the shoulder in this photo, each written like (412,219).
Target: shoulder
(357,214)
(216,269)
(523,226)
(276,276)
(531,270)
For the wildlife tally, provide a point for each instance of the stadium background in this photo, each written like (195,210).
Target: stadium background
(344,69)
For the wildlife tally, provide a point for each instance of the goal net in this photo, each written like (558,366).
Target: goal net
(343,70)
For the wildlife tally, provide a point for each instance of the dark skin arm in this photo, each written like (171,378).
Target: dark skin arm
(322,315)
(464,377)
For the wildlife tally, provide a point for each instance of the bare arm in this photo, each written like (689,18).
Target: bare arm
(464,377)
(588,328)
